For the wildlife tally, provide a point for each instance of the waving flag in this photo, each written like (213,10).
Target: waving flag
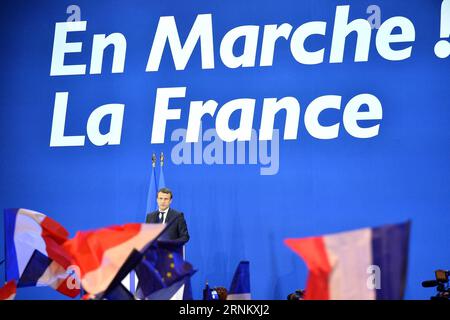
(8,291)
(163,266)
(34,252)
(150,279)
(42,271)
(369,263)
(240,286)
(101,253)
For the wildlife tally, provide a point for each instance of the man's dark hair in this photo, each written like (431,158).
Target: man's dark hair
(166,191)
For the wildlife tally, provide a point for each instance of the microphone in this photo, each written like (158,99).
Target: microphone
(429,283)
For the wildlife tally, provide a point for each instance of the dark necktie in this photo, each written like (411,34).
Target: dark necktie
(160,217)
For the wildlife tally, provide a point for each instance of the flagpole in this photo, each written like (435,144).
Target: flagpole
(154,171)
(150,207)
(162,180)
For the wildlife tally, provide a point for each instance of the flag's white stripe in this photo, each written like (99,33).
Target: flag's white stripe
(97,280)
(53,276)
(179,294)
(11,297)
(239,296)
(28,236)
(350,254)
(36,216)
(126,282)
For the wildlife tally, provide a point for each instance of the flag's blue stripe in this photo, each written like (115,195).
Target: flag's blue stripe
(390,246)
(12,269)
(241,279)
(35,268)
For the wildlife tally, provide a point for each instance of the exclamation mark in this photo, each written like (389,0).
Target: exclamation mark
(442,48)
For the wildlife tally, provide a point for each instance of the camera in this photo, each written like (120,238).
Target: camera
(441,284)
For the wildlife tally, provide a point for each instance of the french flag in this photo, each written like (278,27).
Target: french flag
(34,252)
(240,286)
(364,264)
(101,253)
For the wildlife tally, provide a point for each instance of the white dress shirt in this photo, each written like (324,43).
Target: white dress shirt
(164,215)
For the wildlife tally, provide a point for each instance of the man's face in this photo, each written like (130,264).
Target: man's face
(163,200)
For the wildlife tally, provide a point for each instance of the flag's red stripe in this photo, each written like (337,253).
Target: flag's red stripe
(58,232)
(313,252)
(63,288)
(54,236)
(8,290)
(88,247)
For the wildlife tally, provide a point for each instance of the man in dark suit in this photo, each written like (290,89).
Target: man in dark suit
(177,230)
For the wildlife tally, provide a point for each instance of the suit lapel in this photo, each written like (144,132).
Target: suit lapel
(169,216)
(154,217)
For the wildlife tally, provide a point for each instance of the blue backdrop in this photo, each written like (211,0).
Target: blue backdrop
(233,211)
